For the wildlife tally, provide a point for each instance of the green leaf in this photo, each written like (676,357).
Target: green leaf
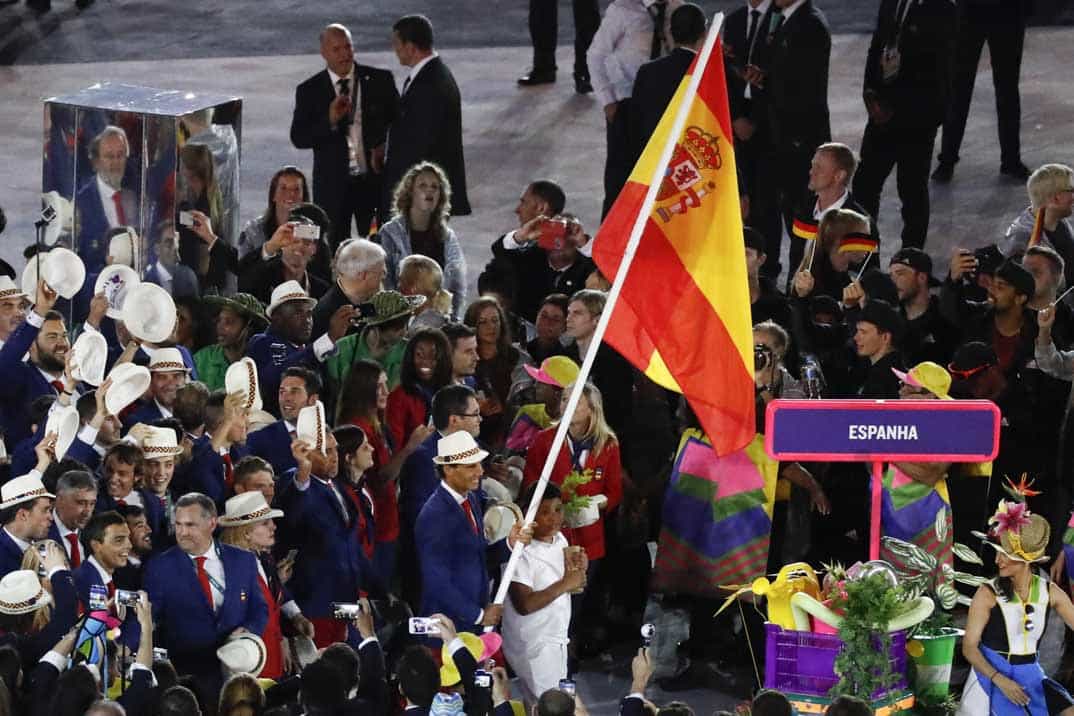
(966,554)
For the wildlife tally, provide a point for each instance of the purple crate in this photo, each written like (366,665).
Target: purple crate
(802,662)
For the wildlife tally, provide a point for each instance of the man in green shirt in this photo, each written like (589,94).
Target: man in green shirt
(381,339)
(239,317)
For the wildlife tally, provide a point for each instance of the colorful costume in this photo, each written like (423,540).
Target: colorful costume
(919,514)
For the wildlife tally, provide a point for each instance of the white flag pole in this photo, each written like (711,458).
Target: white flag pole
(677,128)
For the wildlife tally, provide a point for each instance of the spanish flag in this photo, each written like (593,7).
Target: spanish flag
(683,315)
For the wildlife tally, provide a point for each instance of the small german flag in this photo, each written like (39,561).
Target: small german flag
(858,241)
(805,228)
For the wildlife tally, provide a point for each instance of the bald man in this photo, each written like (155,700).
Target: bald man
(343,114)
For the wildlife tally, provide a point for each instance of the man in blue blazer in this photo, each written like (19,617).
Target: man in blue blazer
(102,203)
(299,388)
(321,522)
(451,541)
(120,466)
(202,592)
(44,335)
(25,513)
(107,541)
(169,372)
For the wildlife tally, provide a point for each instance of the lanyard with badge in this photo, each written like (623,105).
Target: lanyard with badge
(890,57)
(213,580)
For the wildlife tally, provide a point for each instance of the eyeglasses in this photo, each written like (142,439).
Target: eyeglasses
(469,415)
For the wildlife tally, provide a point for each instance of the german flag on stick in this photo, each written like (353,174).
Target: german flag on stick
(805,228)
(858,241)
(1038,229)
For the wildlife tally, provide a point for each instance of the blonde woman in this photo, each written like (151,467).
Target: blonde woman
(843,239)
(248,524)
(592,449)
(421,209)
(241,696)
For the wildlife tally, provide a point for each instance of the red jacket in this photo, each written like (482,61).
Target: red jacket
(405,412)
(385,497)
(607,481)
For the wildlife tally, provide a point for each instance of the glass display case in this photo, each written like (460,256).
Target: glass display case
(120,156)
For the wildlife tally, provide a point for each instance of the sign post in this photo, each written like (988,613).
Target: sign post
(880,431)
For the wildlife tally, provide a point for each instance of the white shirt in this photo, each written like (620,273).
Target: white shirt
(354,135)
(215,568)
(416,69)
(622,45)
(106,578)
(108,203)
(540,566)
(819,213)
(163,411)
(132,498)
(164,276)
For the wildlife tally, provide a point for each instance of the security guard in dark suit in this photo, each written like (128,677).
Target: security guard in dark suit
(792,67)
(1002,24)
(544,25)
(745,32)
(905,93)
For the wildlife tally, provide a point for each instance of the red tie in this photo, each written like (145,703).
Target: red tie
(469,513)
(121,503)
(203,577)
(76,556)
(58,385)
(229,473)
(121,215)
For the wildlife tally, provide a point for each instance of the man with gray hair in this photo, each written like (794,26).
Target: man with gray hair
(102,203)
(203,592)
(1051,197)
(76,498)
(359,270)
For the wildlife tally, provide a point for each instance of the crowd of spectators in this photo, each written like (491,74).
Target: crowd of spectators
(348,442)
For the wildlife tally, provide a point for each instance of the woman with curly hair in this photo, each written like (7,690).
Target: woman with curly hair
(421,208)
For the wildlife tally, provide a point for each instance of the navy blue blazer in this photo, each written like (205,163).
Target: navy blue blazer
(331,566)
(146,412)
(186,626)
(10,554)
(85,576)
(84,453)
(93,224)
(454,572)
(418,480)
(273,444)
(273,355)
(22,383)
(204,473)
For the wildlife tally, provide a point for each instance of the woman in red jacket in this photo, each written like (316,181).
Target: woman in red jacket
(426,369)
(590,446)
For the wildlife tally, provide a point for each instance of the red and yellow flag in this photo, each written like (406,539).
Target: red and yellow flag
(683,316)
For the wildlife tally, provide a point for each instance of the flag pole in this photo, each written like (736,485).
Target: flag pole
(682,112)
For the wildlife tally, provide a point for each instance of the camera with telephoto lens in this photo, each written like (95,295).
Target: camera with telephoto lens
(127,598)
(346,612)
(762,356)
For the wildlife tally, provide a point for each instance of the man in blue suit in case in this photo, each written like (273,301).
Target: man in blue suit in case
(102,203)
(202,592)
(451,541)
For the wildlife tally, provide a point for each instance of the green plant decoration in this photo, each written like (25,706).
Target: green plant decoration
(920,573)
(573,503)
(863,664)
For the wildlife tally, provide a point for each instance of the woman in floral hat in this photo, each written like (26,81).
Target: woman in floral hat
(1007,620)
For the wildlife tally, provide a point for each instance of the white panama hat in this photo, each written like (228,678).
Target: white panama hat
(241,376)
(90,353)
(115,282)
(129,383)
(311,427)
(65,423)
(149,312)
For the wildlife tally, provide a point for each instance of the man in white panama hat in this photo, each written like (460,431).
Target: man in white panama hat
(25,510)
(43,335)
(451,545)
(169,372)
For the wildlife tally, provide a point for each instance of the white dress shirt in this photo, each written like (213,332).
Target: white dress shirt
(622,45)
(819,213)
(354,136)
(108,203)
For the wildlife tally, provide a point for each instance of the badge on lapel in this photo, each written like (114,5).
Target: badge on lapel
(242,596)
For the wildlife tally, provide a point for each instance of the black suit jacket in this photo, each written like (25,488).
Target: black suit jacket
(310,128)
(654,86)
(795,60)
(737,57)
(917,95)
(429,128)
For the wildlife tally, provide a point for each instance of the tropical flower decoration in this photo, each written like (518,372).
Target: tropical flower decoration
(1019,492)
(1010,517)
